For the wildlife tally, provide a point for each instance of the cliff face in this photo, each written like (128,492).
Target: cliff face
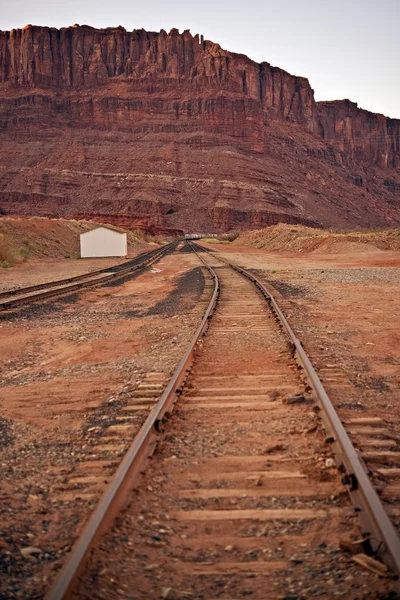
(363,135)
(171,129)
(83,57)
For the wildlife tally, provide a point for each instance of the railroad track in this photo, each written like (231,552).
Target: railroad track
(67,471)
(244,460)
(28,295)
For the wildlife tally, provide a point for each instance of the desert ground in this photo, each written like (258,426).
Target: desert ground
(68,365)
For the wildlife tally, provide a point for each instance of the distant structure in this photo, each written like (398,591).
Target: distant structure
(103,242)
(198,236)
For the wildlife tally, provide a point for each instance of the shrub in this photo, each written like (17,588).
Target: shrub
(228,237)
(214,240)
(139,234)
(148,238)
(154,239)
(8,253)
(24,252)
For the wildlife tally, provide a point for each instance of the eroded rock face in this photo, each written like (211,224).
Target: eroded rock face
(174,131)
(83,57)
(363,135)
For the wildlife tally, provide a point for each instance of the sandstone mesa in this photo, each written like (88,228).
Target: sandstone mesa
(171,131)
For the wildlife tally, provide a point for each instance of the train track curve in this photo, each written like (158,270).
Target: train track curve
(242,389)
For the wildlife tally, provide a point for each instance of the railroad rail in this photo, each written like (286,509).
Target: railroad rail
(376,526)
(51,289)
(233,393)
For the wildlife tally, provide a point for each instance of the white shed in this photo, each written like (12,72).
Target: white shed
(103,242)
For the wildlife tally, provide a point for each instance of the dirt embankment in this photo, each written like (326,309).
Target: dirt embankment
(296,238)
(41,237)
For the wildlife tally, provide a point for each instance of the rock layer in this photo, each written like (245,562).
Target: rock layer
(363,135)
(171,129)
(81,57)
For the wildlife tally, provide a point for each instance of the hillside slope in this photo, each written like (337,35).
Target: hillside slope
(40,237)
(297,238)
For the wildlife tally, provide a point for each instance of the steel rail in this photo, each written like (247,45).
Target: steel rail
(375,523)
(88,280)
(374,520)
(40,286)
(132,465)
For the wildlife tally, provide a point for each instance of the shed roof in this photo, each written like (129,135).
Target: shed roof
(108,228)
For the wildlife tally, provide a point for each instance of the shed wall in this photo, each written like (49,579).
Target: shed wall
(103,243)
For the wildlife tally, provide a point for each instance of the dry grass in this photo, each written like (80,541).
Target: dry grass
(9,254)
(214,241)
(230,236)
(148,238)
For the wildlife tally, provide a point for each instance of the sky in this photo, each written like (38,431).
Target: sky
(346,48)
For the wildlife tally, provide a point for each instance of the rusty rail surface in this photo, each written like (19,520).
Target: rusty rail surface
(86,280)
(376,526)
(132,465)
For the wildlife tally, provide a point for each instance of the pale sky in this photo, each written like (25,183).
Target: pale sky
(346,48)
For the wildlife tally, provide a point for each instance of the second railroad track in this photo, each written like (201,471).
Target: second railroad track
(28,295)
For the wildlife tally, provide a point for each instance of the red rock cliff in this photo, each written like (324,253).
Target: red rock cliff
(172,130)
(363,135)
(81,57)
